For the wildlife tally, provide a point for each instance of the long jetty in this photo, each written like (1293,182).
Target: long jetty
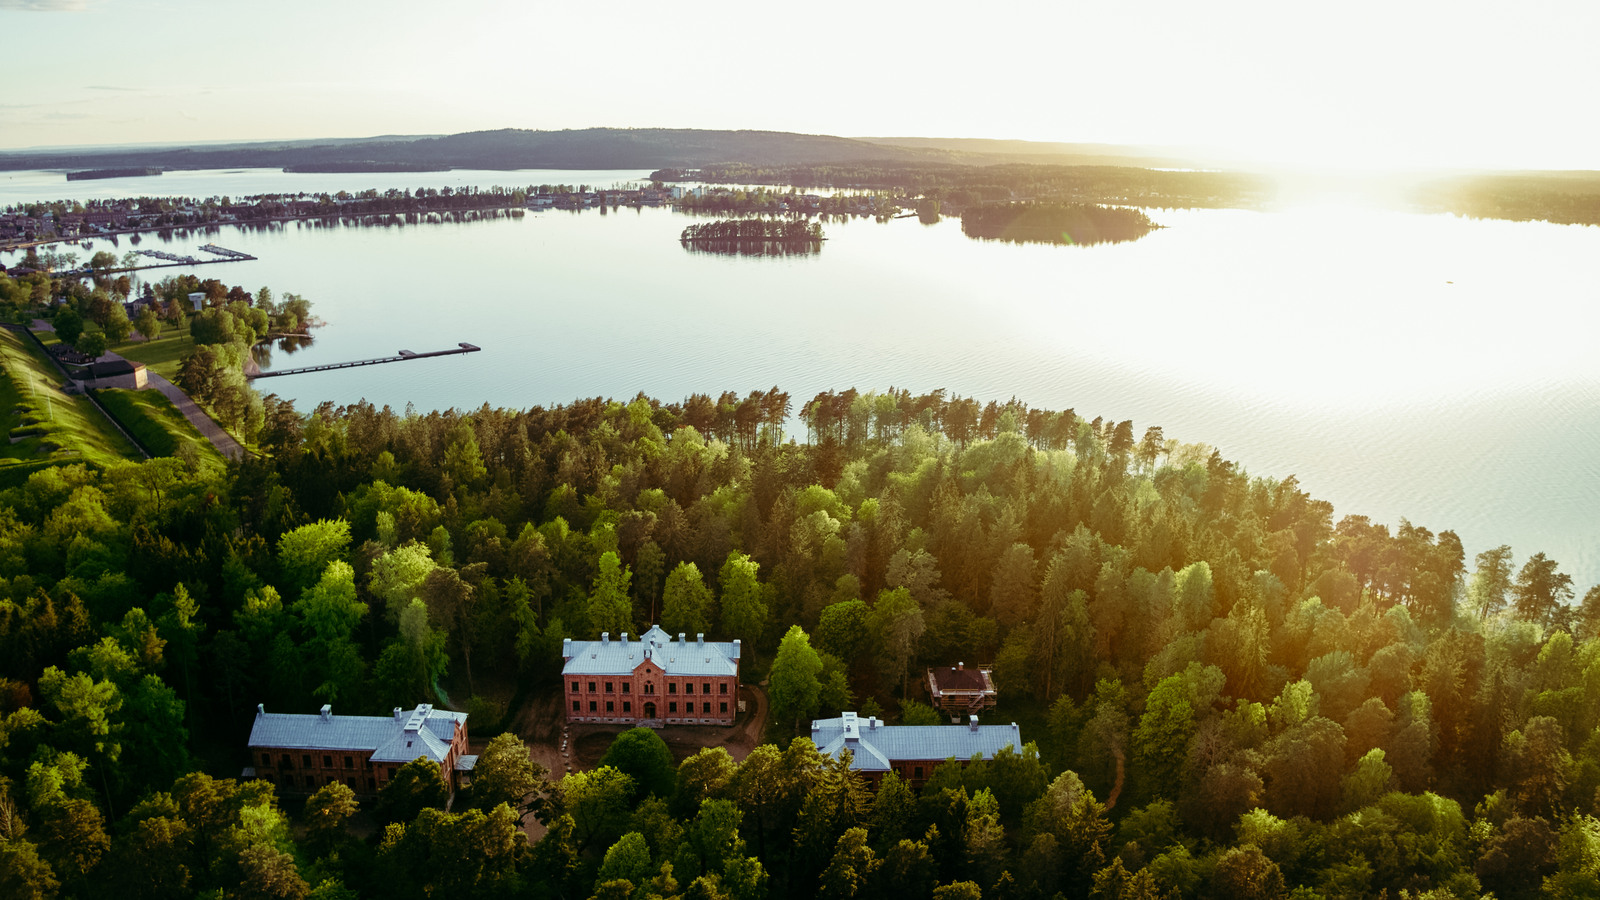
(402,356)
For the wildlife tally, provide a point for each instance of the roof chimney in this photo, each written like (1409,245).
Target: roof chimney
(327,711)
(872,722)
(736,648)
(605,637)
(566,648)
(700,638)
(261,709)
(624,637)
(972,723)
(683,638)
(961,666)
(397,712)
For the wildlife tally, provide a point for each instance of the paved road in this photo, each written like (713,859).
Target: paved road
(197,417)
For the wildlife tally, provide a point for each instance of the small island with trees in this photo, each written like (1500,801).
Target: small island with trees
(759,237)
(1055,223)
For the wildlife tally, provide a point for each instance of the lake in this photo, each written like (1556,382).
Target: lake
(1398,364)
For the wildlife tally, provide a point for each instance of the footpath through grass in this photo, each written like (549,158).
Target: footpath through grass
(49,423)
(153,419)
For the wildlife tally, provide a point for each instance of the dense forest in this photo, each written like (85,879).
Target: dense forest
(1225,690)
(1055,223)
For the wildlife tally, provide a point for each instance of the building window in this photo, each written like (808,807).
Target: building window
(610,706)
(705,688)
(688,687)
(672,687)
(266,759)
(627,706)
(917,773)
(305,761)
(672,707)
(705,707)
(592,706)
(649,688)
(327,760)
(349,762)
(372,783)
(724,687)
(591,687)
(724,706)
(286,763)
(627,687)
(576,706)
(574,687)
(390,776)
(608,687)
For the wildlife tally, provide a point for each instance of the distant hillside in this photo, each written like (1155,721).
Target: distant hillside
(592,148)
(986,150)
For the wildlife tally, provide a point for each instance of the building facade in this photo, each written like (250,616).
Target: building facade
(652,680)
(300,753)
(910,751)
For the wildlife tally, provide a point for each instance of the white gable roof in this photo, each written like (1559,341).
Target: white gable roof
(621,656)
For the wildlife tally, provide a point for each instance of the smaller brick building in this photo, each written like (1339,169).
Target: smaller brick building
(300,753)
(654,680)
(911,751)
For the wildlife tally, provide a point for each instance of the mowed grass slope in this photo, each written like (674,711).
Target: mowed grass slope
(153,419)
(161,355)
(66,426)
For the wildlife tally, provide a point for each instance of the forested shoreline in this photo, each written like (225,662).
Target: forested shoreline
(1224,689)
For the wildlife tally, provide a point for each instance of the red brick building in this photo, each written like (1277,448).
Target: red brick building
(300,753)
(653,680)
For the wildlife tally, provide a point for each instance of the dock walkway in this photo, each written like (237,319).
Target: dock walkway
(402,356)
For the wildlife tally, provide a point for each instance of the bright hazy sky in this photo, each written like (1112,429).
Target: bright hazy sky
(1357,83)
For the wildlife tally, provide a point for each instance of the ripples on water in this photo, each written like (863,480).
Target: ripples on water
(1398,365)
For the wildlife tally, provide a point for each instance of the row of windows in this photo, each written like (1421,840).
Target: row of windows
(672,687)
(311,781)
(286,762)
(627,706)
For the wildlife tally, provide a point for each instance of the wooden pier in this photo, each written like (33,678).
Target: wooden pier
(402,356)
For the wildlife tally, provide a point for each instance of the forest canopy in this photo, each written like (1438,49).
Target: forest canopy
(1223,688)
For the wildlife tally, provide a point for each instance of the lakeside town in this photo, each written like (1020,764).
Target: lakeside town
(37,224)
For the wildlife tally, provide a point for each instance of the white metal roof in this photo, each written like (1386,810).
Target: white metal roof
(621,656)
(877,747)
(406,735)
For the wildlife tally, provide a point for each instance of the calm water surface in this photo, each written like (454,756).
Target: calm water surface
(1399,365)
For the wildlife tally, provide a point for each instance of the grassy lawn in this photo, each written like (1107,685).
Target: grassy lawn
(154,420)
(70,426)
(161,355)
